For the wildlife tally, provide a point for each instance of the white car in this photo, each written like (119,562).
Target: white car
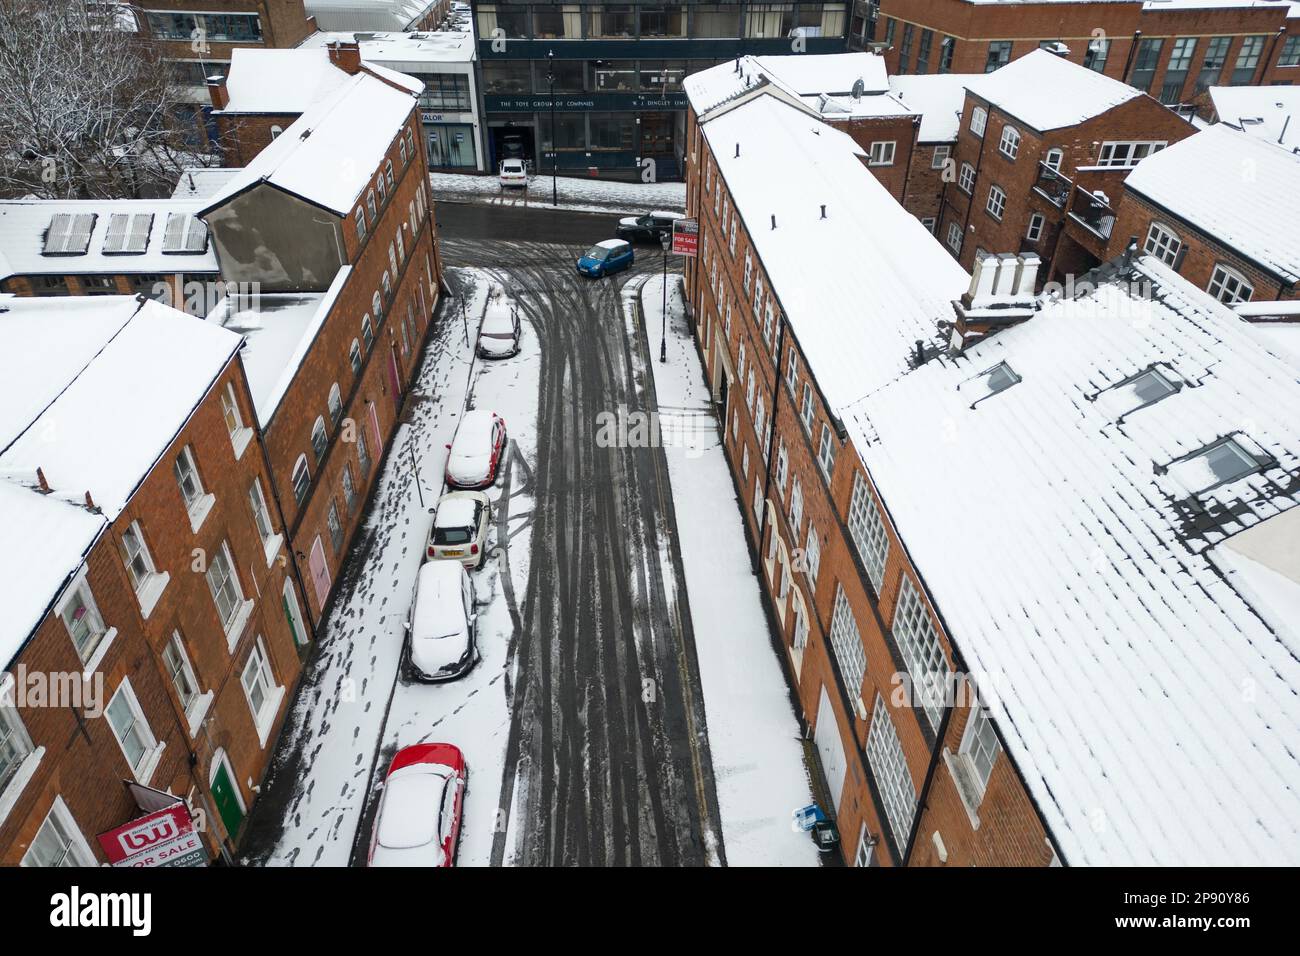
(460,529)
(513,172)
(441,628)
(498,335)
(476,451)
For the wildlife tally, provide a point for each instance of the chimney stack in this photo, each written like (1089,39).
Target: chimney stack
(217,92)
(1001,294)
(346,55)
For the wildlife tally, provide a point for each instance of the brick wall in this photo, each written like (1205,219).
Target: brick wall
(717,288)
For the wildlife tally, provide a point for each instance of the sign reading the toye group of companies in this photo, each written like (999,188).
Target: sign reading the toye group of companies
(570,102)
(686,237)
(164,837)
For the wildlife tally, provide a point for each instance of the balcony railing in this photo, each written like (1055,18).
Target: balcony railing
(1052,184)
(1092,210)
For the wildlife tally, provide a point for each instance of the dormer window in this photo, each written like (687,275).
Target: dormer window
(1224,461)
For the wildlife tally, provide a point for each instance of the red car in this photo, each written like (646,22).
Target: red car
(477,450)
(418,823)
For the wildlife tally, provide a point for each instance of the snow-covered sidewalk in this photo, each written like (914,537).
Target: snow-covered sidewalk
(754,736)
(577,195)
(354,710)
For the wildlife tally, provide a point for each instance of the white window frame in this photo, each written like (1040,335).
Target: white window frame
(196,708)
(826,449)
(796,508)
(979,747)
(918,644)
(1036,223)
(868,531)
(979,118)
(303,467)
(233,622)
(1123,154)
(812,552)
(846,644)
(1163,243)
(14,738)
(940,156)
(1009,143)
(1054,158)
(996,203)
(954,237)
(76,850)
(259,662)
(151,746)
(1228,285)
(881,152)
(103,634)
(806,411)
(893,776)
(149,583)
(966,178)
(334,404)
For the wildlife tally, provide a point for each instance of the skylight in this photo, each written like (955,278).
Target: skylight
(1145,388)
(1217,464)
(128,233)
(68,234)
(185,233)
(999,378)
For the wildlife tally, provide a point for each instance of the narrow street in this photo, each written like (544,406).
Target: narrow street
(584,723)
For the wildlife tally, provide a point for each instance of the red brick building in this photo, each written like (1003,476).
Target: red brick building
(332,225)
(1172,50)
(153,627)
(825,316)
(1218,208)
(198,38)
(1028,133)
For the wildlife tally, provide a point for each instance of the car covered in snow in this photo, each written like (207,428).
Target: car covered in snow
(460,529)
(498,335)
(440,629)
(605,257)
(512,173)
(420,811)
(476,451)
(652,227)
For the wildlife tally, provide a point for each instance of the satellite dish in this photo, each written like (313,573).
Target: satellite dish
(858,87)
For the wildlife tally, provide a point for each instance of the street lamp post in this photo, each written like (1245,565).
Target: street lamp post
(666,242)
(550,82)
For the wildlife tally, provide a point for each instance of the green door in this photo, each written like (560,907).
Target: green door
(298,636)
(227,800)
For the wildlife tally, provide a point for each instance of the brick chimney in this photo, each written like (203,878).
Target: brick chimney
(1001,293)
(217,92)
(346,55)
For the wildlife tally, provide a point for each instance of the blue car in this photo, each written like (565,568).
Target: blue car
(606,257)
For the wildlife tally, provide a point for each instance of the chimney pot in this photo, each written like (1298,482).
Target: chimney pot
(738,151)
(774,221)
(823,210)
(40,479)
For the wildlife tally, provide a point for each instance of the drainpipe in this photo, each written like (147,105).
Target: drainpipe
(979,164)
(907,173)
(1272,48)
(1132,52)
(940,734)
(771,435)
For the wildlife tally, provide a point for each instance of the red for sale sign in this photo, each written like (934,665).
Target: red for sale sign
(165,837)
(686,236)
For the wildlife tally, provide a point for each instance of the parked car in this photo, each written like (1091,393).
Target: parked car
(652,227)
(476,451)
(440,629)
(498,336)
(606,257)
(513,172)
(419,817)
(460,529)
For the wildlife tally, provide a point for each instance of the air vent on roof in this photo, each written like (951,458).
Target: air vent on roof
(128,233)
(185,233)
(68,234)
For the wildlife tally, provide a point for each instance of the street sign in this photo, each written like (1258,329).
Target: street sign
(686,236)
(165,837)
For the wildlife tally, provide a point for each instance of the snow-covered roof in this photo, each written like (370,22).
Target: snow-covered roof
(1048,92)
(329,155)
(55,535)
(200,182)
(280,81)
(404,51)
(102,237)
(806,76)
(938,97)
(1153,713)
(278,329)
(83,371)
(456,511)
(1202,180)
(367,14)
(860,286)
(1271,113)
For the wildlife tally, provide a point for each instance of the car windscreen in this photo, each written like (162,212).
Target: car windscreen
(599,253)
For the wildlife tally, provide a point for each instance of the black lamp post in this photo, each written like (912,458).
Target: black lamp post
(666,242)
(550,82)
